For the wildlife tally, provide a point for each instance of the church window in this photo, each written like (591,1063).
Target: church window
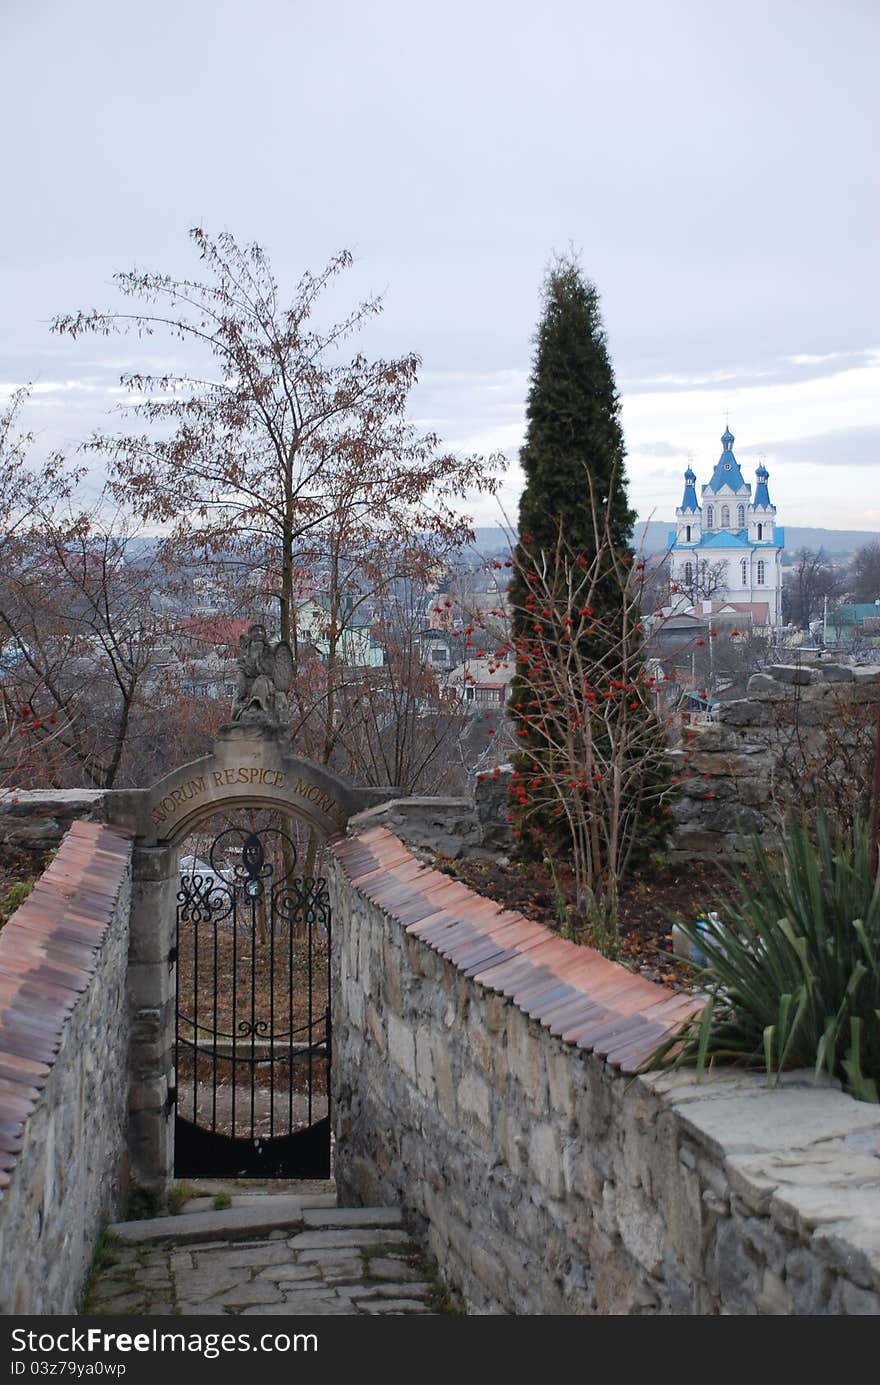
(725,516)
(742,572)
(688,573)
(760,533)
(687,533)
(740,516)
(762,568)
(710,517)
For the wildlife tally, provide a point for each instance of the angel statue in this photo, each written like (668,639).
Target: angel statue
(264,674)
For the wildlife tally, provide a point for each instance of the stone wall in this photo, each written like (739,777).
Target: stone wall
(738,773)
(63,1071)
(470,828)
(37,819)
(547,1179)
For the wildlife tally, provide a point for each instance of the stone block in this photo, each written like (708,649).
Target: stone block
(545,1158)
(795,675)
(443,1080)
(765,686)
(402,1046)
(474,1100)
(149,1096)
(353,1236)
(763,1118)
(149,985)
(562,1071)
(425,1062)
(774,1297)
(347,1217)
(581,1177)
(744,712)
(721,764)
(233,1223)
(854,1301)
(732,1274)
(697,841)
(733,817)
(525,1059)
(374,1026)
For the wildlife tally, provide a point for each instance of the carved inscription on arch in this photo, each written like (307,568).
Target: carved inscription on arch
(216,785)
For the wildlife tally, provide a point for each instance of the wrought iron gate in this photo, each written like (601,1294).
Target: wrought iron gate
(253,1013)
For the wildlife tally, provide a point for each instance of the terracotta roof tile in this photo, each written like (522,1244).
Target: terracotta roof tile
(580,996)
(48,953)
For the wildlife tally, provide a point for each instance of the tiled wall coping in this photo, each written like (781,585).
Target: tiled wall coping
(580,996)
(49,950)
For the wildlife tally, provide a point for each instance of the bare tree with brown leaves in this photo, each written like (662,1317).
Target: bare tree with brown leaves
(253,456)
(79,634)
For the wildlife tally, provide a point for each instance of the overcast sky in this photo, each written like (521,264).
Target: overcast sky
(715,167)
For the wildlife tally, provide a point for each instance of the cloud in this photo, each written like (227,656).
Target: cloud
(661,449)
(839,447)
(782,370)
(47,387)
(663,473)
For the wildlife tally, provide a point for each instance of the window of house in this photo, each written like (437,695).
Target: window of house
(495,695)
(762,568)
(740,516)
(689,573)
(742,572)
(725,516)
(760,532)
(438,656)
(687,533)
(710,517)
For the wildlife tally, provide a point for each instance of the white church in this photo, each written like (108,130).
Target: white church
(725,553)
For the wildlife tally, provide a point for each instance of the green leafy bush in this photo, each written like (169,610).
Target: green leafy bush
(792,965)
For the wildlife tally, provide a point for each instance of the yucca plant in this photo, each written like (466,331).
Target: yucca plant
(792,963)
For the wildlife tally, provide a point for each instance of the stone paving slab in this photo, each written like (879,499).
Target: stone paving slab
(343,1261)
(351,1236)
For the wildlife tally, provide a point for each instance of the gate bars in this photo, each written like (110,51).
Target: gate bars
(252,1035)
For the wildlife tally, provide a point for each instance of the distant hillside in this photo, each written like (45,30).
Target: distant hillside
(652,536)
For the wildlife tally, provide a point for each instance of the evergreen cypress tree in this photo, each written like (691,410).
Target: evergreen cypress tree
(573,415)
(575,493)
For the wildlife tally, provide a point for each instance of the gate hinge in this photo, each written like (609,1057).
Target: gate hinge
(171,1098)
(172,957)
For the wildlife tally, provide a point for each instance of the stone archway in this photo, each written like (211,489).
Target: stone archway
(249,767)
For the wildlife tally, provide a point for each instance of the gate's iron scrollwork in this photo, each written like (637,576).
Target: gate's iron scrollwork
(253,1013)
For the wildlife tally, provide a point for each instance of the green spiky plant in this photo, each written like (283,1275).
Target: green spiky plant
(792,970)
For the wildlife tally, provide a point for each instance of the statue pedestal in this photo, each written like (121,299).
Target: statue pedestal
(260,730)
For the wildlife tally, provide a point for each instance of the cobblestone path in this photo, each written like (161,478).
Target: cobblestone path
(266,1254)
